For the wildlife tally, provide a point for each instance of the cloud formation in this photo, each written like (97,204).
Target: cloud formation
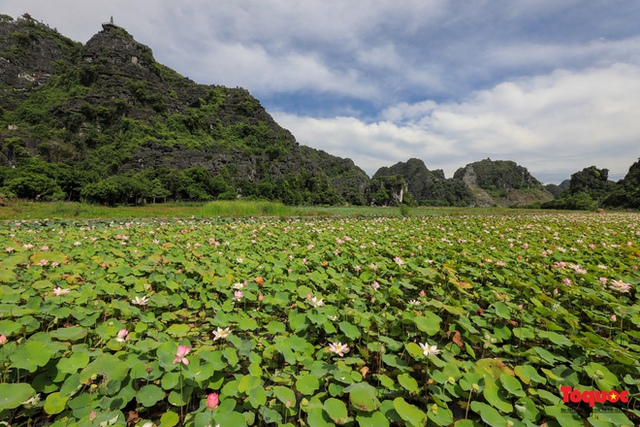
(548,84)
(554,124)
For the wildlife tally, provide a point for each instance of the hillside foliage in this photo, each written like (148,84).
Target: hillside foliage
(104,122)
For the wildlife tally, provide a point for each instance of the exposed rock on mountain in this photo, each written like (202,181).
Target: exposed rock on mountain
(428,187)
(76,116)
(104,122)
(502,183)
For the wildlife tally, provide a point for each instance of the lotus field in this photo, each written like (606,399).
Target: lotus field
(467,320)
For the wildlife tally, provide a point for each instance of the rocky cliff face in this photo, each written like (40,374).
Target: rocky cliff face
(428,187)
(29,50)
(502,183)
(108,108)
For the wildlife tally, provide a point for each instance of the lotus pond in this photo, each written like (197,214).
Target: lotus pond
(505,320)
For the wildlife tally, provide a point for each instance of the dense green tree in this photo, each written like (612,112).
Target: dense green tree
(33,186)
(118,189)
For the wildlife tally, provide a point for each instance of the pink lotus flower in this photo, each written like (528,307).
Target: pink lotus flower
(57,291)
(429,350)
(3,339)
(316,302)
(338,348)
(613,318)
(620,286)
(212,401)
(237,295)
(183,350)
(123,334)
(221,333)
(140,301)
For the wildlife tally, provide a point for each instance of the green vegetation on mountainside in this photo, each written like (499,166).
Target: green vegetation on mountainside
(104,122)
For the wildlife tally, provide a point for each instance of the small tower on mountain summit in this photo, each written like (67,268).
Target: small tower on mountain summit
(110,24)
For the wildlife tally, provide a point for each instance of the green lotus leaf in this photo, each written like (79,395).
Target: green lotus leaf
(106,365)
(488,414)
(512,385)
(429,323)
(275,327)
(170,380)
(410,413)
(10,328)
(496,396)
(285,395)
(351,331)
(181,396)
(414,350)
(247,324)
(337,410)
(257,397)
(298,322)
(555,338)
(248,382)
(216,358)
(524,333)
(502,310)
(336,390)
(255,369)
(318,417)
(529,375)
(7,275)
(491,367)
(564,415)
(394,361)
(55,403)
(616,418)
(269,415)
(442,416)
(73,363)
(149,395)
(603,377)
(386,382)
(372,419)
(31,355)
(362,396)
(170,419)
(307,384)
(178,329)
(409,383)
(71,333)
(13,395)
(231,355)
(527,409)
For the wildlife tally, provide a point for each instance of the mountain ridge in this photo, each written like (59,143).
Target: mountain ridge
(108,105)
(105,122)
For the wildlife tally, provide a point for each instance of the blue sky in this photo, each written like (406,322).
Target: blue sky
(551,84)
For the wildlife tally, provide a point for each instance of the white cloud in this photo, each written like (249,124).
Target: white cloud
(549,84)
(554,125)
